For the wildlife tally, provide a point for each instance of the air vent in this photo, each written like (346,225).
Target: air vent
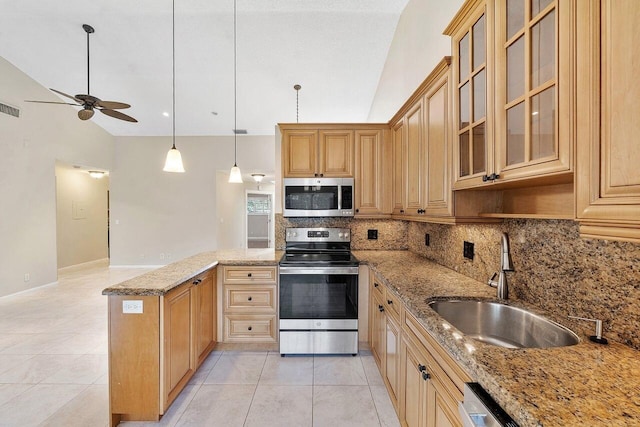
(8,109)
(240,131)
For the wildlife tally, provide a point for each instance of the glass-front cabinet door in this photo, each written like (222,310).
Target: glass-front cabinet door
(471,69)
(533,96)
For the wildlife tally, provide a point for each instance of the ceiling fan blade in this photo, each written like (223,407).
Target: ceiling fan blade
(64,94)
(117,115)
(52,102)
(112,105)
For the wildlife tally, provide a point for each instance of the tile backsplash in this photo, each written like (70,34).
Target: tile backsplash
(391,233)
(554,269)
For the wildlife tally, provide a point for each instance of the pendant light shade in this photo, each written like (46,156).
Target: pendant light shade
(235,176)
(173,163)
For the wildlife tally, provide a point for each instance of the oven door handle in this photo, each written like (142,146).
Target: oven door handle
(319,270)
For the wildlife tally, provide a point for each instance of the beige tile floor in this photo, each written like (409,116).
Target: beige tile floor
(53,371)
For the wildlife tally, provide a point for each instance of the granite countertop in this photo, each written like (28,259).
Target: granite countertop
(586,384)
(159,282)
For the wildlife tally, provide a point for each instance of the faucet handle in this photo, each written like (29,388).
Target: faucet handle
(492,282)
(597,338)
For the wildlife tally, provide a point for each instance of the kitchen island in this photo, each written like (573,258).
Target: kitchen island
(586,384)
(162,326)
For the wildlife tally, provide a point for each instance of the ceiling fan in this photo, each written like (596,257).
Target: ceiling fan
(90,103)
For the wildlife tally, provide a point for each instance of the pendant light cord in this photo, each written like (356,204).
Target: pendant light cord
(88,69)
(235,89)
(173,61)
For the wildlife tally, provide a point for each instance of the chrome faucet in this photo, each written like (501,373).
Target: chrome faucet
(505,265)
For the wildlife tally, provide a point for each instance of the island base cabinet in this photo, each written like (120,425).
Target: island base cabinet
(134,352)
(156,344)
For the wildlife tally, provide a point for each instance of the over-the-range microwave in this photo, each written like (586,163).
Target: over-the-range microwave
(318,197)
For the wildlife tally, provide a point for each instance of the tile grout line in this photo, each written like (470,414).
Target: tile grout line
(255,390)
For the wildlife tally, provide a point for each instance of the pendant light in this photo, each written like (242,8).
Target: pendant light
(235,176)
(174,159)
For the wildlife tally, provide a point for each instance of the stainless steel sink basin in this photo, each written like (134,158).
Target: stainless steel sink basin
(503,325)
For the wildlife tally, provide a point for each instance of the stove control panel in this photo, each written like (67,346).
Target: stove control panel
(318,235)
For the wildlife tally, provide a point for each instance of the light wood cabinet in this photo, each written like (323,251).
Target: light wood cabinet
(514,83)
(398,167)
(309,152)
(179,348)
(250,304)
(373,173)
(154,352)
(424,383)
(206,319)
(608,152)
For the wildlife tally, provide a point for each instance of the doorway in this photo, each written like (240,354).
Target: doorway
(259,219)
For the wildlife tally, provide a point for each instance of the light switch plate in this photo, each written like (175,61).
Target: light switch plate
(132,307)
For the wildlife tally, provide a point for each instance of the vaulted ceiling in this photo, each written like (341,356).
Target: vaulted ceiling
(335,49)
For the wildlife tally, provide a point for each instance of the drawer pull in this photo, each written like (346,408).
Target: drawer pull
(380,308)
(421,368)
(375,285)
(425,376)
(249,299)
(197,282)
(249,328)
(248,274)
(389,301)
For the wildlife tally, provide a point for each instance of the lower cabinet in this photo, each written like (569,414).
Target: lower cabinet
(250,304)
(156,343)
(423,381)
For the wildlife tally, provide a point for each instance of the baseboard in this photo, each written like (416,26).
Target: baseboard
(136,266)
(95,263)
(30,289)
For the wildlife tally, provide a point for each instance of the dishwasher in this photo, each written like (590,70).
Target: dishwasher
(480,410)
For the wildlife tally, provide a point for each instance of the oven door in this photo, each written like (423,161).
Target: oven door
(323,293)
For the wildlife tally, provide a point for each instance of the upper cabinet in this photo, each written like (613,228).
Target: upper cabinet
(373,181)
(317,153)
(514,111)
(608,152)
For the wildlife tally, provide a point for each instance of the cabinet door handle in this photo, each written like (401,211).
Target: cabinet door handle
(425,376)
(249,299)
(197,282)
(357,210)
(380,308)
(248,274)
(389,302)
(401,210)
(421,367)
(249,328)
(375,285)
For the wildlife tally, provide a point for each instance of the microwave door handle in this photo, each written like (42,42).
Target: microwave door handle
(339,197)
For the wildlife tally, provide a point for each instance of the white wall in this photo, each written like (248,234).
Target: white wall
(81,203)
(418,45)
(30,146)
(159,217)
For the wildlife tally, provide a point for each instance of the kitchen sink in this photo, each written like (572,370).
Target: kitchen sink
(503,325)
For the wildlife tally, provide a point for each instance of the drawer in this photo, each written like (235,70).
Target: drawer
(249,328)
(249,274)
(392,305)
(250,298)
(377,287)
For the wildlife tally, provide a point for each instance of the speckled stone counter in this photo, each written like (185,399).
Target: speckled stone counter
(583,385)
(160,281)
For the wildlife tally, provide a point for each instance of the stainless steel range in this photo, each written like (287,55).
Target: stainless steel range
(318,292)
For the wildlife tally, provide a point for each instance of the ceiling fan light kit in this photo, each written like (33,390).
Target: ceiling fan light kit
(173,162)
(90,103)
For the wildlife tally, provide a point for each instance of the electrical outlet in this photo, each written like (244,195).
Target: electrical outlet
(132,306)
(467,250)
(162,255)
(27,277)
(372,234)
(426,239)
